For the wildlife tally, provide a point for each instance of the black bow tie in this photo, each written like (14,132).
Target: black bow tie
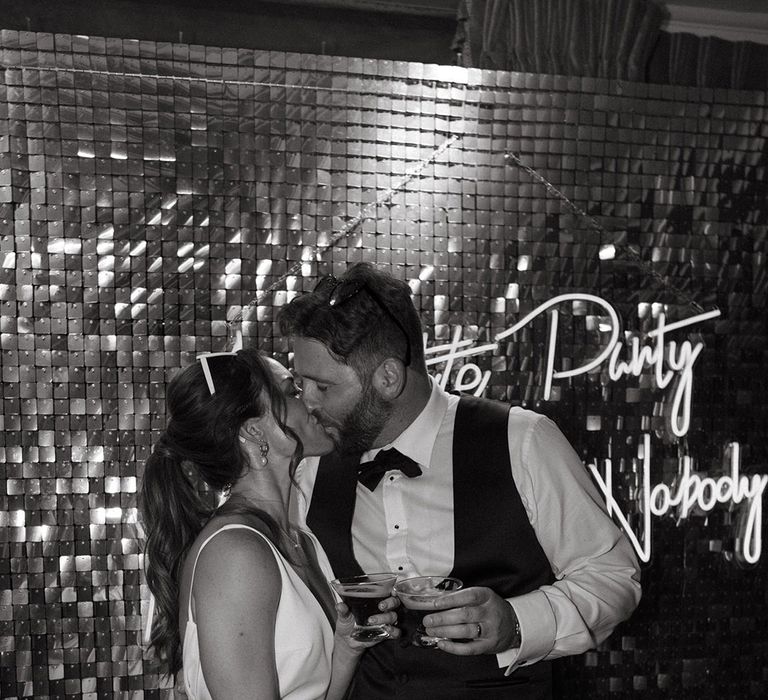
(369,473)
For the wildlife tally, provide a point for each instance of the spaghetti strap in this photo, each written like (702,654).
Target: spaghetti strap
(230,526)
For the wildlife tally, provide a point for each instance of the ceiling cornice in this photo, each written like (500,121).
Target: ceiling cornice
(726,24)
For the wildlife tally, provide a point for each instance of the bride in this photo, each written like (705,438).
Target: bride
(242,597)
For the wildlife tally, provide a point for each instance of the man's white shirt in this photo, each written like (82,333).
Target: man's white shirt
(406,525)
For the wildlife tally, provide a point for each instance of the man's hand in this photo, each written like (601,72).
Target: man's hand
(478,615)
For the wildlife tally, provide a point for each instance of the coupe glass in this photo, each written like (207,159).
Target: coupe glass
(417,596)
(362,594)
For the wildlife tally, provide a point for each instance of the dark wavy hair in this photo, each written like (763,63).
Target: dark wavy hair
(358,332)
(196,458)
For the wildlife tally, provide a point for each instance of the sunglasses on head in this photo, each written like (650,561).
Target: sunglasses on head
(341,291)
(204,359)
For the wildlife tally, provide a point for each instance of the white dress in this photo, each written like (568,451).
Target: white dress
(303,634)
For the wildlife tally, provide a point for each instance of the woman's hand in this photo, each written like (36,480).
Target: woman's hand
(345,625)
(347,651)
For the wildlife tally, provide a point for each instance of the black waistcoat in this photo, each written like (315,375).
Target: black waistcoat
(495,546)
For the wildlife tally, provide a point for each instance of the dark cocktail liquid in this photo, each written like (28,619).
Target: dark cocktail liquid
(411,621)
(362,604)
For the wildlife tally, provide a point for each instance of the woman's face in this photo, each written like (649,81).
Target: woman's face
(314,439)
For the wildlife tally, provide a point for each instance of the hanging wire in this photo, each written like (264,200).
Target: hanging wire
(628,251)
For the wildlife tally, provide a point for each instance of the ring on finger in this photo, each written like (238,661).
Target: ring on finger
(479,631)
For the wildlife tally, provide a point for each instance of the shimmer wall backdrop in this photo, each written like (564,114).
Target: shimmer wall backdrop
(149,192)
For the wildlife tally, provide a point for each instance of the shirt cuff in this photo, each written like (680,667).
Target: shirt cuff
(537,631)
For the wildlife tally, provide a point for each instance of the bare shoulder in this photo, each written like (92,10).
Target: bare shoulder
(236,565)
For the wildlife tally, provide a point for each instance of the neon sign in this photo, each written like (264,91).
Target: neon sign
(692,491)
(669,362)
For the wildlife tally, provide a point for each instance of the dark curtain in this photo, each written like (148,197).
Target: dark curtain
(687,59)
(593,38)
(602,39)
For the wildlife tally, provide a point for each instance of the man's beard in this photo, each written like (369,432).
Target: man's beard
(364,422)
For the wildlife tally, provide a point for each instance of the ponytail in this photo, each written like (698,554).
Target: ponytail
(174,512)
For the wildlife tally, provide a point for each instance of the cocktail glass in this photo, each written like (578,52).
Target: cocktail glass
(417,596)
(362,594)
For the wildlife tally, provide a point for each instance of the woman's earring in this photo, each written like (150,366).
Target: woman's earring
(264,449)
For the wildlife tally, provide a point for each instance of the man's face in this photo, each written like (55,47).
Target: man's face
(352,414)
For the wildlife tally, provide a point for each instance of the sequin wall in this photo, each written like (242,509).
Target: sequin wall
(151,192)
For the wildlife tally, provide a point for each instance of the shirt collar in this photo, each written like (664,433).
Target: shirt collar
(418,439)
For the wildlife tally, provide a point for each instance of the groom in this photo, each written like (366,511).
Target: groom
(424,482)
